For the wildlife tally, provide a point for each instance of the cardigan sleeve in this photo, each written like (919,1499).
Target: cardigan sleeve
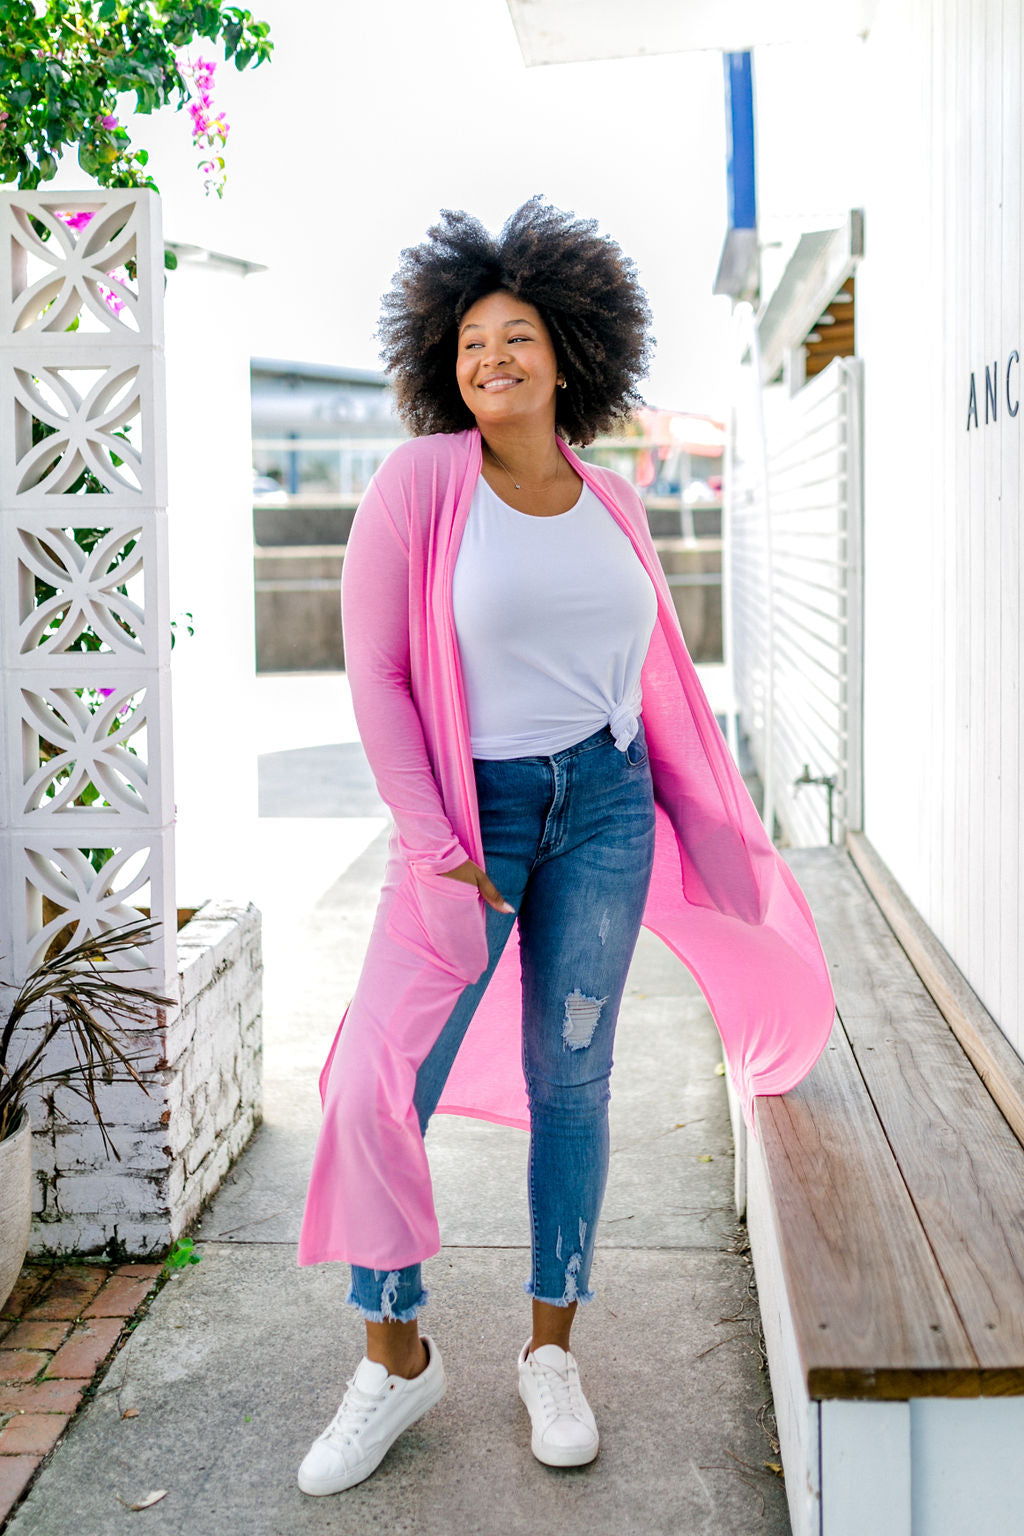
(375,621)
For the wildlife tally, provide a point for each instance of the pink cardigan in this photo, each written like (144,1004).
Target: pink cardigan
(721,896)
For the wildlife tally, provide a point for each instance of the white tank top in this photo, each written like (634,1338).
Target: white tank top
(553,616)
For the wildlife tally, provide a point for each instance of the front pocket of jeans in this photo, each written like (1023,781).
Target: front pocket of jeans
(441,919)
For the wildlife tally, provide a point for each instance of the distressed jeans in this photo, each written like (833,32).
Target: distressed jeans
(568,841)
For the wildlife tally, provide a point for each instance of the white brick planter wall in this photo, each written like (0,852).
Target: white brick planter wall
(176,1144)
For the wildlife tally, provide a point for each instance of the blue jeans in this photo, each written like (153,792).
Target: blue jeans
(568,841)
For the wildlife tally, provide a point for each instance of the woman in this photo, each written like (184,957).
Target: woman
(506,619)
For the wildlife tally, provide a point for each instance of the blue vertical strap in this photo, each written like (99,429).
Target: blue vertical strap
(739,122)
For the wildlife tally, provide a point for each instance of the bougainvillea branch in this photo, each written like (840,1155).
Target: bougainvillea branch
(63,64)
(210,128)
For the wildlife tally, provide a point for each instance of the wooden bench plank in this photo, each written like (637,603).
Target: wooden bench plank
(967,1188)
(994,1058)
(871,1311)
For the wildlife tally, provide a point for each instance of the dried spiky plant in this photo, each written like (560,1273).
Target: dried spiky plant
(90,1006)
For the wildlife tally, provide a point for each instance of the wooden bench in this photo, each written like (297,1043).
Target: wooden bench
(885,1203)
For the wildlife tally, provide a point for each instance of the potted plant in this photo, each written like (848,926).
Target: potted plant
(76,994)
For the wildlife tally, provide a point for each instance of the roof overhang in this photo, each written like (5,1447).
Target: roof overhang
(218,261)
(331,373)
(739,266)
(814,274)
(570,31)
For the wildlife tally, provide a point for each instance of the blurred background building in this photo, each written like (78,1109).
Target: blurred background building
(320,432)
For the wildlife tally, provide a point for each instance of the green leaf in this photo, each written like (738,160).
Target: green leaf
(182,1253)
(170,259)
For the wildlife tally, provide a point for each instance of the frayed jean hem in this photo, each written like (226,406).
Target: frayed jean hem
(405,1316)
(565,1300)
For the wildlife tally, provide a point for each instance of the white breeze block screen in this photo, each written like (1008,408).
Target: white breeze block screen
(86,810)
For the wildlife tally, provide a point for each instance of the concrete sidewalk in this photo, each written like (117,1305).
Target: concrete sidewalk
(243,1358)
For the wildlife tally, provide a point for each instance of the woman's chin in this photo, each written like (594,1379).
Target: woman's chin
(492,414)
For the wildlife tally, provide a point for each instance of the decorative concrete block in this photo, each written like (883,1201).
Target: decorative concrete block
(84,612)
(57,256)
(86,795)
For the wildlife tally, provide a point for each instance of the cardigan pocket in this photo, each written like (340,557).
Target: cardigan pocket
(442,920)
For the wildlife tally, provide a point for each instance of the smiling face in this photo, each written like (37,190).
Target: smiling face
(506,368)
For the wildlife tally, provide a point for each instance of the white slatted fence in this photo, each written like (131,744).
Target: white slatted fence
(795,598)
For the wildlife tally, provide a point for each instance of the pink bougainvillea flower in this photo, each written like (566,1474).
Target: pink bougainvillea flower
(78,221)
(210,128)
(110,298)
(108,122)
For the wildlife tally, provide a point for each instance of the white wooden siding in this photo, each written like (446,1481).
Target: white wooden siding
(939,296)
(800,575)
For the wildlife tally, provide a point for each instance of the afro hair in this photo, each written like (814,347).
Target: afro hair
(585,289)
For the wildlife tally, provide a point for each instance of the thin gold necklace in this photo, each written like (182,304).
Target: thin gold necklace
(512,477)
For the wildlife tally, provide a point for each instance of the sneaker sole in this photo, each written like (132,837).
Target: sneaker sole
(559,1456)
(320,1486)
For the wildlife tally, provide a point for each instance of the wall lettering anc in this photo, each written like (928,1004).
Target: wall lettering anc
(990,386)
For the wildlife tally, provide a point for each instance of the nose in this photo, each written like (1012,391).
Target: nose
(496,350)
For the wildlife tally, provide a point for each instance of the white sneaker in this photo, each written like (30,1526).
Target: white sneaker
(564,1431)
(373,1413)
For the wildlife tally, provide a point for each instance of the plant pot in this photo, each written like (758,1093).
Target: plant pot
(15,1202)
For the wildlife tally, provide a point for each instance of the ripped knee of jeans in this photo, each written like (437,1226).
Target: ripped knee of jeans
(580,1020)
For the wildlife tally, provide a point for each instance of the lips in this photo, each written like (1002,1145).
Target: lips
(498,383)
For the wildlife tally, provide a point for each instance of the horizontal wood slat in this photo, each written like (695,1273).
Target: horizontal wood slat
(911,1153)
(872,1315)
(994,1058)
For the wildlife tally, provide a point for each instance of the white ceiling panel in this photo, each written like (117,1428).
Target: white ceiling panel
(568,31)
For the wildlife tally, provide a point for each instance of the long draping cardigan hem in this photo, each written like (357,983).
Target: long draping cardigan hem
(721,896)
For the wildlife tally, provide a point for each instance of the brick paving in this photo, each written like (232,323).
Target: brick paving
(57,1327)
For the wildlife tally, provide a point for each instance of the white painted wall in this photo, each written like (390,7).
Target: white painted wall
(939,295)
(211,576)
(933,147)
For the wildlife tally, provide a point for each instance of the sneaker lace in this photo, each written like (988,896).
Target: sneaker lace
(559,1394)
(356,1409)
